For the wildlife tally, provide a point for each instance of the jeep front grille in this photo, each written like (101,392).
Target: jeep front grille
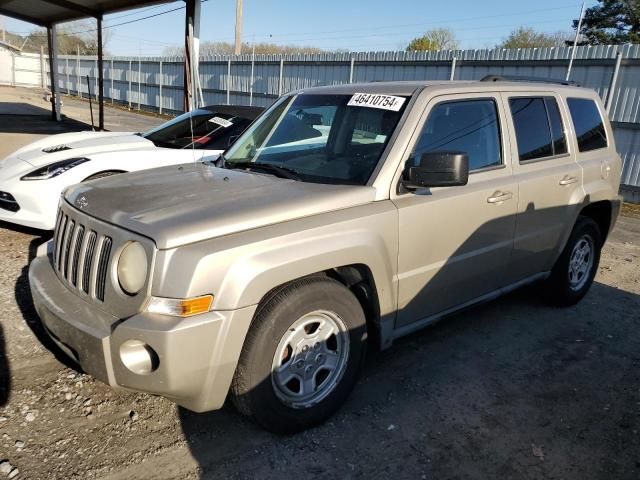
(81,256)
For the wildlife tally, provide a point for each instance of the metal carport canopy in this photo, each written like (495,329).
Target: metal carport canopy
(48,13)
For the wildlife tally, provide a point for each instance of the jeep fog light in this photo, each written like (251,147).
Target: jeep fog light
(180,307)
(132,268)
(139,357)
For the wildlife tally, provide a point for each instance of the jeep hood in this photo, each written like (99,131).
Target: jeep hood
(193,202)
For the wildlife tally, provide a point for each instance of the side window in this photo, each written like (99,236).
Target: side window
(469,126)
(538,125)
(588,124)
(557,130)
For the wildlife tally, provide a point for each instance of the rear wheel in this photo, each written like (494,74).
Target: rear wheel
(302,355)
(576,268)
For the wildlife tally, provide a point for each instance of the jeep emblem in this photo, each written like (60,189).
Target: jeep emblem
(82,202)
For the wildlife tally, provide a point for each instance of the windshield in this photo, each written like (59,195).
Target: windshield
(211,130)
(321,138)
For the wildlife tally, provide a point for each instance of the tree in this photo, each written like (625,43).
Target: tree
(527,37)
(13,39)
(611,22)
(225,48)
(435,39)
(72,37)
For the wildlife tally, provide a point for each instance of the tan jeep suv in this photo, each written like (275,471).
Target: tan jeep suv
(343,216)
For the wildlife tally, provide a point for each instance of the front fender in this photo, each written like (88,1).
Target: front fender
(239,269)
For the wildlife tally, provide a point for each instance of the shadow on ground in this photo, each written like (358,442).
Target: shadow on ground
(36,120)
(24,299)
(5,372)
(483,394)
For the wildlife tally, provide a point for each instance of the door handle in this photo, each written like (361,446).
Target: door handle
(499,197)
(567,180)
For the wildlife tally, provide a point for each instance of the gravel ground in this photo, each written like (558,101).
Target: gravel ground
(511,389)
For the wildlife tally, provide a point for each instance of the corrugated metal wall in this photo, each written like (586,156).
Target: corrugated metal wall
(156,83)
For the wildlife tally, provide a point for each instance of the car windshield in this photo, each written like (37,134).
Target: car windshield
(199,129)
(320,138)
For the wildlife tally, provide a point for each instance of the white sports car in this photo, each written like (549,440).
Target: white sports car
(32,178)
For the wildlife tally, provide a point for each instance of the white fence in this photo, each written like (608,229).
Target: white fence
(24,70)
(156,83)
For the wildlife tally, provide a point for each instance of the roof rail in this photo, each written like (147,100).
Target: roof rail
(519,78)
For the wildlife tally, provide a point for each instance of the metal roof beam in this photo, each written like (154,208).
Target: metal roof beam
(24,18)
(74,6)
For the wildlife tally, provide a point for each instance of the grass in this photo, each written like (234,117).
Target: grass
(631,210)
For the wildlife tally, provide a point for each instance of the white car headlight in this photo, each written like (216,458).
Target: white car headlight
(54,169)
(133,268)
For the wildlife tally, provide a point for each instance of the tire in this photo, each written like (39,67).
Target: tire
(282,327)
(565,287)
(96,176)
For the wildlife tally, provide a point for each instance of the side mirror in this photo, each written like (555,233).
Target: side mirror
(437,169)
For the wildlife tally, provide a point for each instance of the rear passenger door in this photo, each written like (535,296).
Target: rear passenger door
(548,177)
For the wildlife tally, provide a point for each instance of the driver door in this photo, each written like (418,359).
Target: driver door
(455,242)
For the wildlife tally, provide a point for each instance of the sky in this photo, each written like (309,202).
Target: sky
(371,25)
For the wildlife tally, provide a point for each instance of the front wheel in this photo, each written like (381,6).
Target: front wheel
(573,273)
(301,356)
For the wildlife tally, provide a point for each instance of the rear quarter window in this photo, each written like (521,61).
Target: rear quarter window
(588,124)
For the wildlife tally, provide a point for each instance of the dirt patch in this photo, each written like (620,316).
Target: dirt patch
(631,210)
(511,389)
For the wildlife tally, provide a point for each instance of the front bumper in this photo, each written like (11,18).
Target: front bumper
(36,200)
(197,355)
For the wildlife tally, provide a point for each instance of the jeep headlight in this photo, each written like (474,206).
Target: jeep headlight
(54,169)
(133,268)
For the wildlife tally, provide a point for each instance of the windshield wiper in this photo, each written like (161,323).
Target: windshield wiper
(219,162)
(282,172)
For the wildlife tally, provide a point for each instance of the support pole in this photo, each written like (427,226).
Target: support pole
(281,80)
(78,83)
(195,59)
(191,54)
(614,81)
(43,76)
(53,66)
(253,66)
(139,81)
(111,76)
(229,81)
(66,68)
(575,43)
(351,67)
(187,93)
(130,79)
(238,45)
(100,76)
(454,60)
(160,89)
